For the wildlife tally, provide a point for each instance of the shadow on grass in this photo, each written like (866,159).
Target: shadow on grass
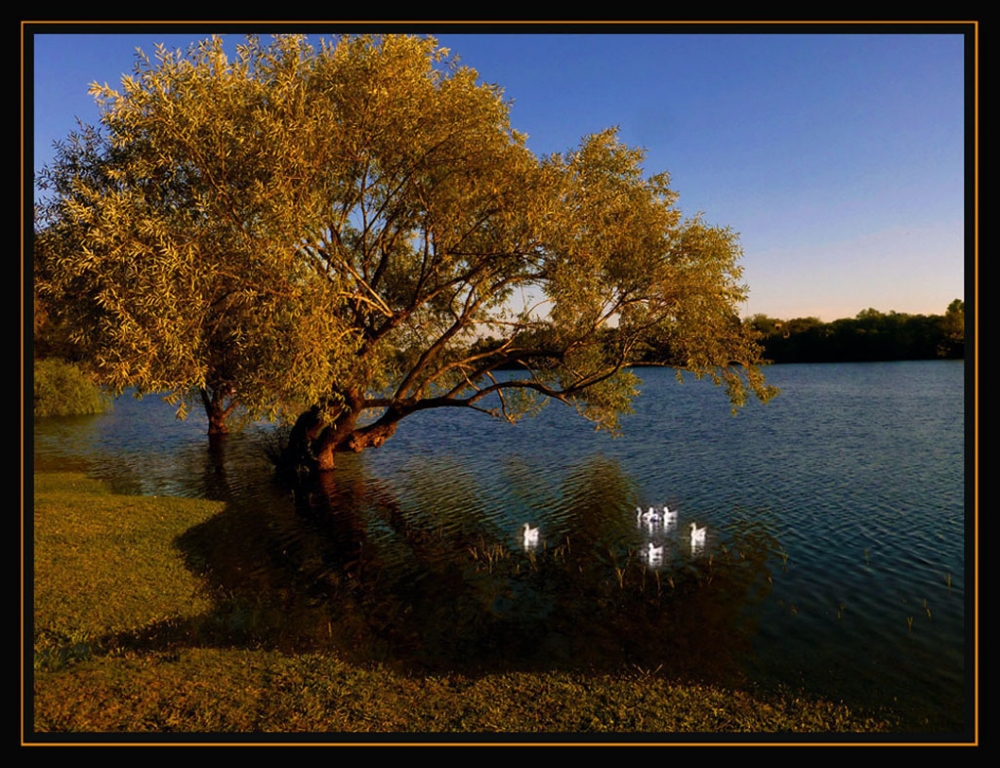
(347,569)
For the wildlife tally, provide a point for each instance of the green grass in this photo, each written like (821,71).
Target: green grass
(108,577)
(241,691)
(105,564)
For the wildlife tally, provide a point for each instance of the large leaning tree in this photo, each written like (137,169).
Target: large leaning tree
(352,234)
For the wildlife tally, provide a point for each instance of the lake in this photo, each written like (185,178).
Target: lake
(835,557)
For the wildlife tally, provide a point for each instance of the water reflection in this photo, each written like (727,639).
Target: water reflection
(698,539)
(653,555)
(415,552)
(354,567)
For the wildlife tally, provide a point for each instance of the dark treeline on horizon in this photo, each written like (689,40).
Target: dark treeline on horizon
(868,337)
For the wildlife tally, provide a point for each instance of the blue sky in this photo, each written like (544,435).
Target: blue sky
(839,158)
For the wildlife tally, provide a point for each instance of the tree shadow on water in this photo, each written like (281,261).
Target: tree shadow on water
(349,568)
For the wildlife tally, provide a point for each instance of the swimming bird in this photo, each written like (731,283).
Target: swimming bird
(698,535)
(669,515)
(655,553)
(651,515)
(529,535)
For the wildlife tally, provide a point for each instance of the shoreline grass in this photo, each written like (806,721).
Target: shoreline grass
(108,577)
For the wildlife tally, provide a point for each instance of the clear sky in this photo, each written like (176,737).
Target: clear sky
(839,158)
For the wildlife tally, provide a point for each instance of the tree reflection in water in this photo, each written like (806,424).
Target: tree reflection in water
(440,583)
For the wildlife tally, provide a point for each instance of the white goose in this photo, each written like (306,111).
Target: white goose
(529,535)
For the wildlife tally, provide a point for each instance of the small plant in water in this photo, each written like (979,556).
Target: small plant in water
(947,579)
(491,554)
(644,673)
(909,623)
(620,573)
(926,608)
(866,555)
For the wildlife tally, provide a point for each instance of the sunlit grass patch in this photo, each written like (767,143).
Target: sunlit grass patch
(106,564)
(222,691)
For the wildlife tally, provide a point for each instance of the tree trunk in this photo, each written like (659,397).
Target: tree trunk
(217,412)
(314,445)
(371,436)
(217,423)
(324,454)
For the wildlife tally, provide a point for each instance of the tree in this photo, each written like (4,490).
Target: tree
(343,227)
(167,239)
(953,330)
(954,320)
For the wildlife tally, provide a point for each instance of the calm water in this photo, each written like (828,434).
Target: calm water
(835,557)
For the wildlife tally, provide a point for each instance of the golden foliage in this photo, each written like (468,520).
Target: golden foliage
(297,224)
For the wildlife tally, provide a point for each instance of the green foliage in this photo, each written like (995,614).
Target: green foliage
(871,335)
(954,319)
(953,326)
(63,389)
(167,239)
(337,226)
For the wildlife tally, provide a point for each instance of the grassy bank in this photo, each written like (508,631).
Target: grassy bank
(120,645)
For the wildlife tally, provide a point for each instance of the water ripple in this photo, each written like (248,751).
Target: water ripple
(834,559)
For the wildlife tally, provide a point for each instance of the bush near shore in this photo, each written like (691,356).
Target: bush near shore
(64,389)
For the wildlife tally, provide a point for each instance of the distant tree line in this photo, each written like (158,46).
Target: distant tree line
(870,336)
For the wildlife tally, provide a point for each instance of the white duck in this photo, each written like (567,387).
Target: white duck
(529,535)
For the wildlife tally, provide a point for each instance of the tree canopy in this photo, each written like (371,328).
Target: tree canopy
(354,233)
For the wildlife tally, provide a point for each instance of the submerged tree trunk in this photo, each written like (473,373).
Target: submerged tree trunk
(217,410)
(313,444)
